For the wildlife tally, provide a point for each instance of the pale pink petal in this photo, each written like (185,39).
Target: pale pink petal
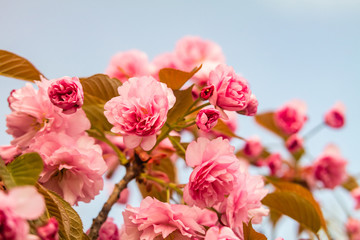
(132,141)
(148,142)
(27,202)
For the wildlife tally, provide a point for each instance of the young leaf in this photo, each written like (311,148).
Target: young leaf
(14,66)
(251,234)
(166,166)
(184,100)
(274,217)
(98,89)
(70,225)
(222,128)
(350,183)
(296,202)
(266,120)
(174,78)
(24,170)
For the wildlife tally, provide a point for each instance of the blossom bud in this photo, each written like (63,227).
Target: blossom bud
(66,93)
(207,92)
(335,117)
(207,118)
(49,231)
(294,143)
(253,147)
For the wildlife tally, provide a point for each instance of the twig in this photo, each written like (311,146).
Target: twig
(133,170)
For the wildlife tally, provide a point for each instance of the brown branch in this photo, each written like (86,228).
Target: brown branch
(133,170)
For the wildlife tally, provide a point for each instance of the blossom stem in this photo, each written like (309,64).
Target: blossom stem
(177,143)
(198,108)
(193,104)
(313,131)
(133,170)
(120,154)
(171,185)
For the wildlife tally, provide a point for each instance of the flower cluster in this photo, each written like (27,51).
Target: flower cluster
(143,117)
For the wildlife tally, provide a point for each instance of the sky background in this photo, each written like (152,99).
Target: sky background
(286,49)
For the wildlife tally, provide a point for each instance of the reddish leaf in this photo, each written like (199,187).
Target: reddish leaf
(296,202)
(174,78)
(251,234)
(266,120)
(12,65)
(165,166)
(350,183)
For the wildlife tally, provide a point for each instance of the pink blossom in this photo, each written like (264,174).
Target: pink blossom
(33,114)
(165,60)
(291,117)
(9,152)
(251,108)
(125,65)
(193,51)
(73,168)
(66,93)
(294,143)
(49,231)
(335,117)
(244,203)
(253,147)
(231,123)
(223,233)
(19,205)
(124,196)
(353,229)
(109,231)
(207,118)
(329,168)
(215,173)
(140,111)
(232,92)
(355,193)
(207,92)
(155,219)
(274,163)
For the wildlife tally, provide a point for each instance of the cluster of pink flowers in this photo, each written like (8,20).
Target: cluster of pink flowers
(220,195)
(49,120)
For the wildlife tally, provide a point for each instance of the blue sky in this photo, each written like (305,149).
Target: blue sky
(285,48)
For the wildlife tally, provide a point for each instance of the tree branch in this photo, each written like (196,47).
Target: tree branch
(133,170)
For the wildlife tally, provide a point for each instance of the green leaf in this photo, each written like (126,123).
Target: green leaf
(296,202)
(251,234)
(350,183)
(221,127)
(174,78)
(14,66)
(98,89)
(166,166)
(24,170)
(70,225)
(266,120)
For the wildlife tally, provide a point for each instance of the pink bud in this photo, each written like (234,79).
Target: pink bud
(335,117)
(207,92)
(207,118)
(253,147)
(66,93)
(294,143)
(49,231)
(251,108)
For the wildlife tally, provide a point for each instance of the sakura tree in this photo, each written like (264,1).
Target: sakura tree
(70,134)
